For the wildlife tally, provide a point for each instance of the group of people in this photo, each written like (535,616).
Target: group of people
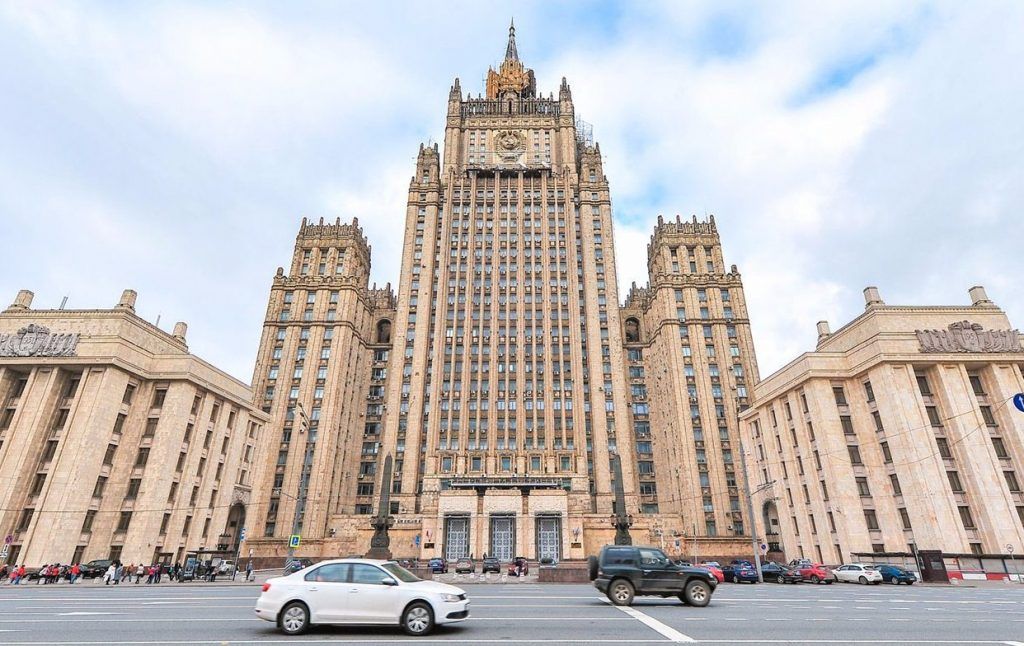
(50,573)
(119,573)
(116,573)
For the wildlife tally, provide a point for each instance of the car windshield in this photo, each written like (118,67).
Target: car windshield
(400,573)
(870,567)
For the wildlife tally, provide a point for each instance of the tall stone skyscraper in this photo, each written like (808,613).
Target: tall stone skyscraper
(500,379)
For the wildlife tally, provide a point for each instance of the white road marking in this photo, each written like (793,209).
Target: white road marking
(665,631)
(78,613)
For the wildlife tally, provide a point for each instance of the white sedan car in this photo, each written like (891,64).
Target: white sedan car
(858,573)
(359,591)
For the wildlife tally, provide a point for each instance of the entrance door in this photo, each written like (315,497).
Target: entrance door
(933,568)
(502,537)
(456,537)
(549,537)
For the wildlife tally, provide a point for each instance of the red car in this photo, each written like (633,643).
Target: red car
(813,572)
(715,571)
(710,566)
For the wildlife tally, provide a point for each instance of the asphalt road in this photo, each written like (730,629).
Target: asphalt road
(534,614)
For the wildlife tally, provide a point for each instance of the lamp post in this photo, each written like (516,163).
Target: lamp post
(750,498)
(300,500)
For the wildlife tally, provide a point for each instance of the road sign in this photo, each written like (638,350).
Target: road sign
(241,537)
(1018,401)
(417,540)
(3,552)
(764,548)
(294,540)
(250,552)
(8,539)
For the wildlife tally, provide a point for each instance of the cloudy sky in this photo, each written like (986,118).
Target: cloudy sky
(173,148)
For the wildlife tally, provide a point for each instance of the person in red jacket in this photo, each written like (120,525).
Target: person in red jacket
(76,571)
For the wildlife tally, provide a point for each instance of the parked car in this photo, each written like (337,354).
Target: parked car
(714,569)
(780,573)
(296,564)
(812,572)
(896,575)
(858,573)
(94,568)
(438,566)
(625,571)
(740,571)
(518,566)
(465,566)
(226,568)
(360,591)
(490,564)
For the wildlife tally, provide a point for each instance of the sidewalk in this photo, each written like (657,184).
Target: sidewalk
(259,578)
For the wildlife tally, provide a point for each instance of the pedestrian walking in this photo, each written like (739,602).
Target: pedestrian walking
(108,576)
(248,570)
(139,571)
(76,571)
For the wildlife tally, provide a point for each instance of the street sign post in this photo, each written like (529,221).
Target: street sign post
(1018,401)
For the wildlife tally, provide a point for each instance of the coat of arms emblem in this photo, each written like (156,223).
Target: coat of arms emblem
(37,341)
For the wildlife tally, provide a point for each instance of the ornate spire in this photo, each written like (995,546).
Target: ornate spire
(511,54)
(512,79)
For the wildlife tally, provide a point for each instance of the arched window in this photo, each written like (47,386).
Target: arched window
(632,330)
(384,331)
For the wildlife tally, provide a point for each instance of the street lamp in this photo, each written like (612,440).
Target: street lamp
(300,500)
(750,496)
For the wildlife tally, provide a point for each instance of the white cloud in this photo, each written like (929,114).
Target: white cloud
(156,146)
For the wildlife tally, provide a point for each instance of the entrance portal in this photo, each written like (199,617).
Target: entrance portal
(456,537)
(503,537)
(549,537)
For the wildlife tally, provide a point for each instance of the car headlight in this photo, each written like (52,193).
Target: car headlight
(451,598)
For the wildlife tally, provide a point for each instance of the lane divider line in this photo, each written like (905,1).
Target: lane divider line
(665,631)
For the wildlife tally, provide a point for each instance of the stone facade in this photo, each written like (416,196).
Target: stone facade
(115,442)
(885,440)
(691,363)
(505,386)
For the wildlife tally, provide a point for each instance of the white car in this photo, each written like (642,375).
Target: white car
(226,567)
(858,573)
(359,591)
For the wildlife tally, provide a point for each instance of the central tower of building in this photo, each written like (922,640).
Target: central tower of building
(504,376)
(507,379)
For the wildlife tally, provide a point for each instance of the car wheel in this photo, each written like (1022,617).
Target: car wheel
(815,579)
(894,581)
(621,592)
(697,593)
(418,619)
(592,567)
(294,618)
(863,580)
(780,579)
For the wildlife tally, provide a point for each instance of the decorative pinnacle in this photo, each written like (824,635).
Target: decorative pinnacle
(511,54)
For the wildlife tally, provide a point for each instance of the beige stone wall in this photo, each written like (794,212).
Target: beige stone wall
(56,441)
(905,455)
(698,477)
(313,375)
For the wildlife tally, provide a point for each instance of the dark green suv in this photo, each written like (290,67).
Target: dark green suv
(624,571)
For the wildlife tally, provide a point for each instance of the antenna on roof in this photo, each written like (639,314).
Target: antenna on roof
(63,302)
(158,320)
